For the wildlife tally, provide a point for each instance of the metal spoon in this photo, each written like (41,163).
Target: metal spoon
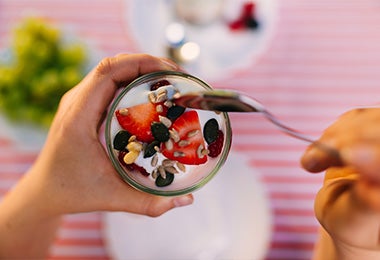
(232,101)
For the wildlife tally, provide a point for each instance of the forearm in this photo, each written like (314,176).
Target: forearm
(26,230)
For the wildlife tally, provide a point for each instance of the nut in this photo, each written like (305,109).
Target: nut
(130,157)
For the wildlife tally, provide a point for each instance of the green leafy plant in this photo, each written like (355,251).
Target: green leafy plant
(42,67)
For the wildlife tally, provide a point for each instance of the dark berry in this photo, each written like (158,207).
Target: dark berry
(174,112)
(215,148)
(149,150)
(210,130)
(161,182)
(251,23)
(159,84)
(121,140)
(160,132)
(138,168)
(121,157)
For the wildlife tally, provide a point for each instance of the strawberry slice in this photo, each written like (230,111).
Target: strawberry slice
(138,119)
(191,143)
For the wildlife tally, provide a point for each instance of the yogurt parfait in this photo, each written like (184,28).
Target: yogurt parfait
(159,147)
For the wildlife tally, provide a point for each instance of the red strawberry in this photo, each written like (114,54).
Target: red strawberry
(138,119)
(187,150)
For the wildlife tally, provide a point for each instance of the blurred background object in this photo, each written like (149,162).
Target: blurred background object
(38,67)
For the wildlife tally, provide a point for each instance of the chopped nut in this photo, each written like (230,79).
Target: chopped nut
(134,146)
(130,157)
(123,111)
(132,138)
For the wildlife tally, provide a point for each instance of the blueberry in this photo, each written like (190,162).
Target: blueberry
(121,140)
(174,112)
(160,132)
(161,182)
(149,150)
(211,130)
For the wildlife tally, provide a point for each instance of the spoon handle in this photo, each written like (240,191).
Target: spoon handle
(296,134)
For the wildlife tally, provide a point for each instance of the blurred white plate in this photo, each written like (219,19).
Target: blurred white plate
(230,219)
(221,50)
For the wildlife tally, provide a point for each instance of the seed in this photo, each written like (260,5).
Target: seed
(123,111)
(181,166)
(157,149)
(199,151)
(168,103)
(205,152)
(162,182)
(154,160)
(130,157)
(160,132)
(211,130)
(169,144)
(121,140)
(155,173)
(174,135)
(161,97)
(178,154)
(174,112)
(183,143)
(171,169)
(150,149)
(192,133)
(167,163)
(152,97)
(166,121)
(134,146)
(159,109)
(162,171)
(132,138)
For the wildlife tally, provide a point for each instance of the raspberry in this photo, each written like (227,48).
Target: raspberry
(131,167)
(159,84)
(215,148)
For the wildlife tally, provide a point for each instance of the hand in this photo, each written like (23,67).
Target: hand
(348,205)
(73,172)
(73,168)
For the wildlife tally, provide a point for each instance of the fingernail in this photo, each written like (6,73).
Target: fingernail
(183,201)
(169,64)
